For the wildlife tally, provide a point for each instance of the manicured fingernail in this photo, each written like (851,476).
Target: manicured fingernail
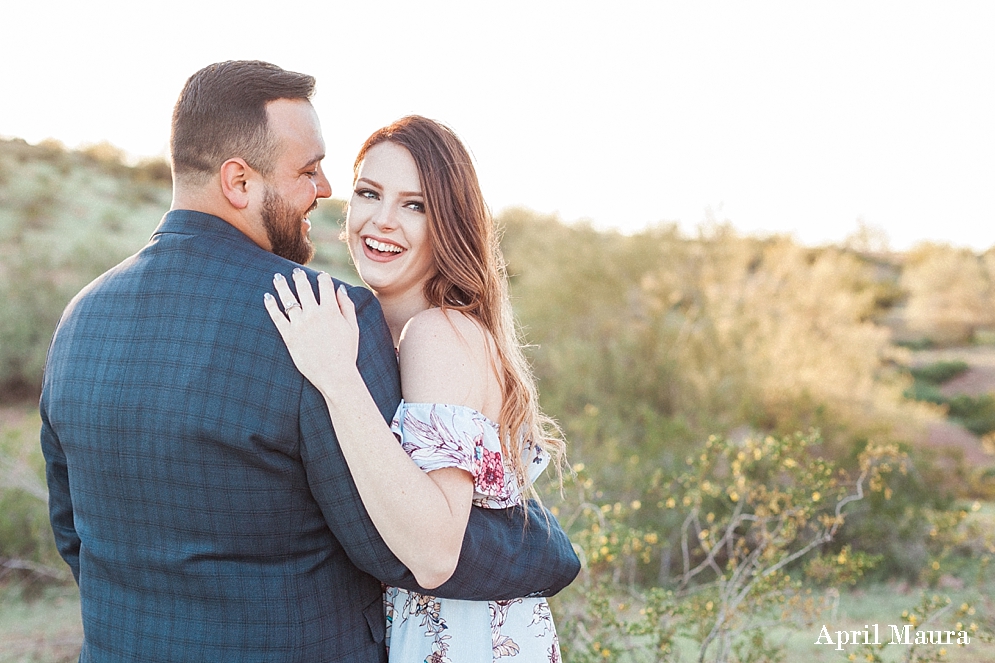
(268,297)
(278,277)
(298,270)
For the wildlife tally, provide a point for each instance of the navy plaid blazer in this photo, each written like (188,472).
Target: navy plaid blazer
(197,489)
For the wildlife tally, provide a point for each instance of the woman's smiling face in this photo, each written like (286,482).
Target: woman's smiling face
(387,224)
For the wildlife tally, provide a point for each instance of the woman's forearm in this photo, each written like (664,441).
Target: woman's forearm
(421,517)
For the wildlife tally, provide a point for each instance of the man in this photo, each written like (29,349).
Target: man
(197,488)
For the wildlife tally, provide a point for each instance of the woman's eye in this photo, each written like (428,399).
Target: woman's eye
(366,193)
(417,207)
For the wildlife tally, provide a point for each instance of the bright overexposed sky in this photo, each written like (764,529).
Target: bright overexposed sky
(798,117)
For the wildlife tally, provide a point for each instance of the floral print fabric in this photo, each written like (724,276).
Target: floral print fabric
(435,630)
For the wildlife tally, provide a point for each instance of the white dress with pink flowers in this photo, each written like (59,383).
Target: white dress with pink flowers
(424,628)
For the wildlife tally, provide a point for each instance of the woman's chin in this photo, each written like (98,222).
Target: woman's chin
(374,279)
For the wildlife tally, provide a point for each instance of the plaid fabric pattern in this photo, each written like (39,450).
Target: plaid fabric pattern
(197,490)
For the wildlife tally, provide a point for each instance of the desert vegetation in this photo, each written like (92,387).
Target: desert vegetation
(756,427)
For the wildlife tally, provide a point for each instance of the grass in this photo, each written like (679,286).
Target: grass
(39,619)
(47,628)
(39,627)
(883,604)
(969,578)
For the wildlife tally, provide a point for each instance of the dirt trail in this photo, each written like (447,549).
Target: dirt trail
(978,379)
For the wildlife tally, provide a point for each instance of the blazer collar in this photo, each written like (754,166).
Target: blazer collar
(190,222)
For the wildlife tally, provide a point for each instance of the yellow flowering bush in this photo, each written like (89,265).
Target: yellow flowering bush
(747,513)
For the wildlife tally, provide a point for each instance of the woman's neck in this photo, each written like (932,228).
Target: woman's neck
(399,308)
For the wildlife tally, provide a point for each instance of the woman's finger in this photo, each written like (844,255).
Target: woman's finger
(276,315)
(347,306)
(326,288)
(304,291)
(286,295)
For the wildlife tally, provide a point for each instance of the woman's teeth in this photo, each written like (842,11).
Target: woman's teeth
(380,246)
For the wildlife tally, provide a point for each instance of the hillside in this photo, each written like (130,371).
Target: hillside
(65,217)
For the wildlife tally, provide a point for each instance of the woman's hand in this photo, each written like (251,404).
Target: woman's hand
(323,339)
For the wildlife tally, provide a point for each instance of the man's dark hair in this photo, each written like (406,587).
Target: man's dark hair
(221,114)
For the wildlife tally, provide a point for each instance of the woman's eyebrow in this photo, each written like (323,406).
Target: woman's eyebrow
(376,184)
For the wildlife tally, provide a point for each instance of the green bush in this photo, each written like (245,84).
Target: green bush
(751,518)
(939,372)
(927,392)
(917,344)
(648,344)
(27,546)
(899,525)
(977,414)
(65,217)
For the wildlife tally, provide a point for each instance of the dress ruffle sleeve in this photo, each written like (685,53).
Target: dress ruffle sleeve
(435,435)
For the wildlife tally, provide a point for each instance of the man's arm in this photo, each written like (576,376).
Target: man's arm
(505,556)
(60,506)
(501,557)
(328,473)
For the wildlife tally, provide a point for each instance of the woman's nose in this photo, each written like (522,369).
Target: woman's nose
(385,218)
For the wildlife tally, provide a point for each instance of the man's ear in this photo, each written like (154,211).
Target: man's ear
(235,175)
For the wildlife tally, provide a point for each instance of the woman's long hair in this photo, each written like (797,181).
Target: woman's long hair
(471,276)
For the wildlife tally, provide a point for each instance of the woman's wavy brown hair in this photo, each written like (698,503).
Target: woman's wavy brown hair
(471,275)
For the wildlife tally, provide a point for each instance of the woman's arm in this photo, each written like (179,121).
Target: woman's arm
(421,517)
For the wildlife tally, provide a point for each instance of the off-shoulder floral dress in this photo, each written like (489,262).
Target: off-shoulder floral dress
(436,630)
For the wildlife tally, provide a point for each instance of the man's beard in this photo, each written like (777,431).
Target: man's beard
(283,229)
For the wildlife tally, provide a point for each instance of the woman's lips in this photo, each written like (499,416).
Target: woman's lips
(374,252)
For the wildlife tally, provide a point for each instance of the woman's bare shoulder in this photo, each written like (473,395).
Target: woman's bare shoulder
(435,325)
(444,358)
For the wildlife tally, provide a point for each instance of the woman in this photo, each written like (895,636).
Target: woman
(422,240)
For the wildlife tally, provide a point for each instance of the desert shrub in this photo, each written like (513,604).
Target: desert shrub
(64,218)
(938,372)
(975,413)
(949,293)
(921,343)
(647,344)
(153,171)
(35,286)
(746,328)
(27,547)
(922,617)
(749,514)
(902,526)
(926,392)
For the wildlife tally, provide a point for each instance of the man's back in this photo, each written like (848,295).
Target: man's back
(192,484)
